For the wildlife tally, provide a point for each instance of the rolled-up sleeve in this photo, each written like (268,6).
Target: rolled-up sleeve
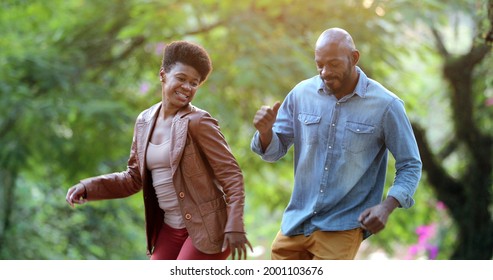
(271,154)
(400,141)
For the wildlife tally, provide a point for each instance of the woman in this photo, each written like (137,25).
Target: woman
(192,184)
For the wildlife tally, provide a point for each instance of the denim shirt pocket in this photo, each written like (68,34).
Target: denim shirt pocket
(358,136)
(309,127)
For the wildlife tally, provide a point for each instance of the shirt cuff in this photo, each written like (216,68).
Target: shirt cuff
(405,200)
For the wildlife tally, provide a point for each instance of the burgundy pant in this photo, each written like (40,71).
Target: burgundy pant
(174,244)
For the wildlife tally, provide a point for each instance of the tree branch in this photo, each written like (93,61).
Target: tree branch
(459,73)
(135,42)
(447,188)
(439,42)
(448,149)
(489,35)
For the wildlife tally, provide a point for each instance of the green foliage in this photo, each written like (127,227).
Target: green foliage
(52,132)
(75,75)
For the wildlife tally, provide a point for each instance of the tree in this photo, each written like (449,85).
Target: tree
(468,195)
(75,74)
(54,88)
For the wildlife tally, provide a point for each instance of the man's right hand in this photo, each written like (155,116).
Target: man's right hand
(264,121)
(265,117)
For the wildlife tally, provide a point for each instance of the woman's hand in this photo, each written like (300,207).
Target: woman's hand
(76,194)
(237,242)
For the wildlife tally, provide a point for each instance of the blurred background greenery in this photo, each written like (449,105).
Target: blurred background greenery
(75,74)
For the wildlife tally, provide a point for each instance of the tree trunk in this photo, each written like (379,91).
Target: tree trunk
(7,184)
(471,212)
(469,196)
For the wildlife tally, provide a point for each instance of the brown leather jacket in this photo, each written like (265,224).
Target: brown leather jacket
(206,176)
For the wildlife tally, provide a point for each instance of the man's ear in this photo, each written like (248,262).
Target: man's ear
(355,57)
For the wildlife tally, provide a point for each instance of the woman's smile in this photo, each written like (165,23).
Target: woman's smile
(182,96)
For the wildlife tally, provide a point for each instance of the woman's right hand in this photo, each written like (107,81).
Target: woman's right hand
(237,242)
(76,194)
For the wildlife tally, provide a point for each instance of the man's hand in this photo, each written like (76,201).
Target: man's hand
(375,218)
(264,121)
(265,117)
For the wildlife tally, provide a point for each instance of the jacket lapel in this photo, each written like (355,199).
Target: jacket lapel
(145,136)
(179,131)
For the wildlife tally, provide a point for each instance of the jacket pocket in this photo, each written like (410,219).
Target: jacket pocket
(214,217)
(192,162)
(358,136)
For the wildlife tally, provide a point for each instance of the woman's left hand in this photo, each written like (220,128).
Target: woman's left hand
(237,242)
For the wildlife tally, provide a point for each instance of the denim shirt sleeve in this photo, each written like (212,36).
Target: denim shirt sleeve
(400,140)
(270,154)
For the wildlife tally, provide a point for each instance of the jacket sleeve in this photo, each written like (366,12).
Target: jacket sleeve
(118,184)
(225,167)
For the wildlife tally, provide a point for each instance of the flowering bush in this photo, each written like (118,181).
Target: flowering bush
(429,238)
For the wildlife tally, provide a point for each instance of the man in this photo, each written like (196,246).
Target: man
(342,125)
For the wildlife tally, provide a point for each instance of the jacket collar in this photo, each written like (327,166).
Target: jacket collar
(179,130)
(154,111)
(185,111)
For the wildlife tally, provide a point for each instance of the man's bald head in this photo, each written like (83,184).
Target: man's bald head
(336,58)
(335,36)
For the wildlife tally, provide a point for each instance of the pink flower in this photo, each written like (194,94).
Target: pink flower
(144,87)
(432,252)
(425,232)
(441,205)
(489,102)
(412,252)
(159,48)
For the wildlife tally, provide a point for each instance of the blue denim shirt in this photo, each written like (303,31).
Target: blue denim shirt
(340,153)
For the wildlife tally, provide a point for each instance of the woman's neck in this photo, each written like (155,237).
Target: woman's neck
(167,112)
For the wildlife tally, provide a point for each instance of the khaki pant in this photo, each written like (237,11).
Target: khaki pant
(320,245)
